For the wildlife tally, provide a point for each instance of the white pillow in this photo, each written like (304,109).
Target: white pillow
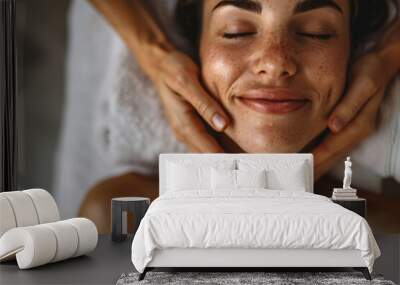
(183,174)
(227,179)
(281,174)
(251,178)
(181,178)
(223,179)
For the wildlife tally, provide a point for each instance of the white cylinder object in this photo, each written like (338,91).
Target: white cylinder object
(7,218)
(33,246)
(67,239)
(23,208)
(87,234)
(40,244)
(45,205)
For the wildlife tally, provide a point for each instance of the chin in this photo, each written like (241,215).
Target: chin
(270,144)
(258,135)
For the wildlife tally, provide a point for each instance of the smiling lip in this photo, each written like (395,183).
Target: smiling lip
(272,101)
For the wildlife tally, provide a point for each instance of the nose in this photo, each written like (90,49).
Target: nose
(274,61)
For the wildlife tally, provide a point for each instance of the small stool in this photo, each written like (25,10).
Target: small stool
(119,215)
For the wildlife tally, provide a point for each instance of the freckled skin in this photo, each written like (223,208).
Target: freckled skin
(275,55)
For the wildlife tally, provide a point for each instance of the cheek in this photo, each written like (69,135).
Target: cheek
(220,68)
(326,71)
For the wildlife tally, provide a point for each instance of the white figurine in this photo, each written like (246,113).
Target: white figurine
(347,174)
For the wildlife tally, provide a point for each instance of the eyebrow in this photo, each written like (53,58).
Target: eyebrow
(256,7)
(308,5)
(248,5)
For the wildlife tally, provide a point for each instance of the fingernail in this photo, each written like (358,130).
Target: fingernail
(337,124)
(218,121)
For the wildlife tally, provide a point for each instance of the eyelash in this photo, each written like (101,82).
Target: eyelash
(321,37)
(237,35)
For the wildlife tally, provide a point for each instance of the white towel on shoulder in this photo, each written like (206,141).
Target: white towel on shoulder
(380,153)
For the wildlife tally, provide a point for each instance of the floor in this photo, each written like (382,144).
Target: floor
(389,262)
(110,260)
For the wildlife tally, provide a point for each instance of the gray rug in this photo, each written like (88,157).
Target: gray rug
(225,278)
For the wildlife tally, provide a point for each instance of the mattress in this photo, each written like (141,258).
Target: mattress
(250,219)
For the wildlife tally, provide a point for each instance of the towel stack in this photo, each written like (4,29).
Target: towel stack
(344,194)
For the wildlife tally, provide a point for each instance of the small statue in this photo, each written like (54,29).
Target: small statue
(347,192)
(347,174)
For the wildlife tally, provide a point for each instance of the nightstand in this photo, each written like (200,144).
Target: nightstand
(119,215)
(358,206)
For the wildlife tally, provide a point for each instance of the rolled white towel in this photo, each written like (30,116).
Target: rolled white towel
(40,244)
(380,153)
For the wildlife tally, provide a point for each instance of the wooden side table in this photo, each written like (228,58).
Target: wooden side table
(119,215)
(358,206)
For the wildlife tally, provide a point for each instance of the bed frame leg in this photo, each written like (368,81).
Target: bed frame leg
(143,274)
(364,271)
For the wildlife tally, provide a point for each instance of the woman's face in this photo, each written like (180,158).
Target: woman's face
(277,66)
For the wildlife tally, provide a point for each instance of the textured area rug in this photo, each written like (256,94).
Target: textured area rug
(225,278)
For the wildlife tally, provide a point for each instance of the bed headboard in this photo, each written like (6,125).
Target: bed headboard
(212,157)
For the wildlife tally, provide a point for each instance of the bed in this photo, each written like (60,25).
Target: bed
(246,211)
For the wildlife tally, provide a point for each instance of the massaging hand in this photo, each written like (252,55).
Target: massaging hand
(356,116)
(174,74)
(185,101)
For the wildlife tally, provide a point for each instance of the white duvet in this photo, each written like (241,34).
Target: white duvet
(253,218)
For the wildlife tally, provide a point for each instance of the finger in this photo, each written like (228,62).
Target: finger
(194,133)
(352,134)
(336,146)
(360,91)
(189,87)
(186,124)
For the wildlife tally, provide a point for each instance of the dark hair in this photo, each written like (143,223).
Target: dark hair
(368,17)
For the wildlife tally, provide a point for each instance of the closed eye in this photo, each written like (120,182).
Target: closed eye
(237,35)
(321,37)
